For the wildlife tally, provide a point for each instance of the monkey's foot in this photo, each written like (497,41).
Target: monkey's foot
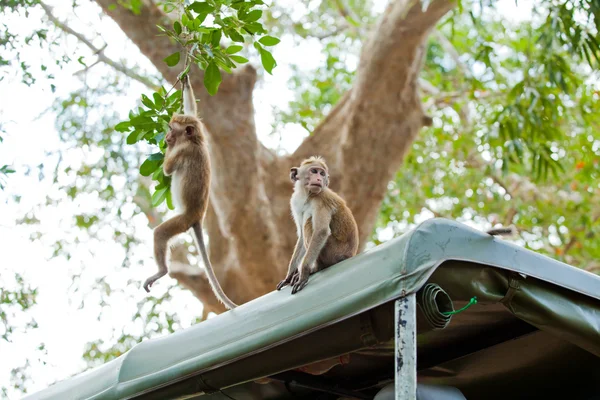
(298,283)
(148,284)
(287,280)
(151,280)
(283,283)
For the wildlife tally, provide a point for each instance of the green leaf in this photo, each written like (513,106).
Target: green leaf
(170,199)
(185,20)
(158,174)
(159,196)
(212,78)
(156,156)
(234,35)
(238,5)
(158,100)
(199,20)
(148,167)
(239,59)
(173,59)
(122,126)
(269,40)
(224,65)
(177,27)
(132,137)
(174,96)
(266,58)
(233,49)
(205,38)
(147,102)
(215,38)
(201,7)
(167,8)
(252,16)
(267,61)
(254,27)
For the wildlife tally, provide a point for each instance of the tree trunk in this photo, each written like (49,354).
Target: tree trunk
(364,140)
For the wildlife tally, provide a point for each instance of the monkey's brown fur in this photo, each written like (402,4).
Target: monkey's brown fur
(188,162)
(327,231)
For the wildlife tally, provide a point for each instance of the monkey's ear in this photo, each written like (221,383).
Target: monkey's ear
(189,131)
(327,180)
(294,174)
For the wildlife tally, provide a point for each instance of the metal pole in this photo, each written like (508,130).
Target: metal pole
(406,348)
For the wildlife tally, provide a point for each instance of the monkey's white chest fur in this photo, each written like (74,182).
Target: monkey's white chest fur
(176,187)
(302,210)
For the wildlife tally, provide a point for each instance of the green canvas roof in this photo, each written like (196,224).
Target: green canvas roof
(533,313)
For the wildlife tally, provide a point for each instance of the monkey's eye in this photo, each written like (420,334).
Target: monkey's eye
(323,173)
(313,171)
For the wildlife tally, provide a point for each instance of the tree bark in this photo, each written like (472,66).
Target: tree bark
(364,139)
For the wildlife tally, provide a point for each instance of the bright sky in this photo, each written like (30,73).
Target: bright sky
(30,135)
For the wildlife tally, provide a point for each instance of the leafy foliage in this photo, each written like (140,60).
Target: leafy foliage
(11,43)
(5,170)
(236,20)
(150,123)
(15,301)
(514,139)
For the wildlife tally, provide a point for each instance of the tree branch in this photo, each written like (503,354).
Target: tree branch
(428,87)
(386,107)
(141,30)
(349,16)
(326,137)
(451,50)
(98,52)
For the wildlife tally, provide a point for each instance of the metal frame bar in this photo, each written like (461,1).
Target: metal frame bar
(406,347)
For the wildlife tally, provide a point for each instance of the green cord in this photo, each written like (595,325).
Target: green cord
(471,302)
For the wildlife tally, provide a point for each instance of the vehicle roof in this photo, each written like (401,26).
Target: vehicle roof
(346,309)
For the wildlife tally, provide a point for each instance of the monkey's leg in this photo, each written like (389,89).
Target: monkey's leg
(300,279)
(299,252)
(162,234)
(317,242)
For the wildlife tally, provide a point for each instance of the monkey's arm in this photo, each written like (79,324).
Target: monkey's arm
(321,219)
(171,160)
(189,101)
(299,252)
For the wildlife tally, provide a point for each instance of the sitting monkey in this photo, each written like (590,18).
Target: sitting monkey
(327,231)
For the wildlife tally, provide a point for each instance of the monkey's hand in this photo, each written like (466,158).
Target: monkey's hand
(152,279)
(286,281)
(298,282)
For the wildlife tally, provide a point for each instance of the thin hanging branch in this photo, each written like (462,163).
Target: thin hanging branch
(98,52)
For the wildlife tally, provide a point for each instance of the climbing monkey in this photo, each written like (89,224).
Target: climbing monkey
(327,231)
(188,164)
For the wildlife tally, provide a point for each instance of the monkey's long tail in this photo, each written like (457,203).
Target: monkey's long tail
(509,231)
(210,272)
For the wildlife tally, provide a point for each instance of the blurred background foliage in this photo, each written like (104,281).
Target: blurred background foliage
(514,140)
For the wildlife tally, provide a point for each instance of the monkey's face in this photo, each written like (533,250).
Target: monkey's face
(181,132)
(313,177)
